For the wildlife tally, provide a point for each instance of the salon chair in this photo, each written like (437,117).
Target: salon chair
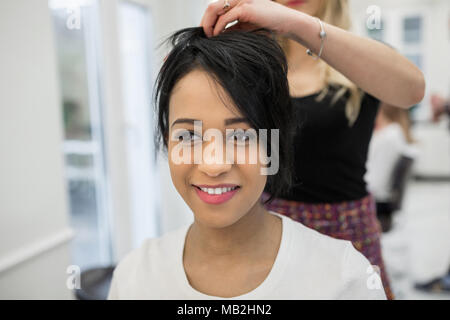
(399,179)
(95,283)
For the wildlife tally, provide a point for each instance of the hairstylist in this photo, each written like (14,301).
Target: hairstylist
(336,81)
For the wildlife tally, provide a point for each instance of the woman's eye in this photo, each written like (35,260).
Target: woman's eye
(241,137)
(187,136)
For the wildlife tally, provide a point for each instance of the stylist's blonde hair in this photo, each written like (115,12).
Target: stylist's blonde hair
(336,12)
(399,116)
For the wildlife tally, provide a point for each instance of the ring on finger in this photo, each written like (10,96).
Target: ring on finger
(226,5)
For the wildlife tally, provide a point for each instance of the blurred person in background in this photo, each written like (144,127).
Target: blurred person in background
(336,81)
(391,139)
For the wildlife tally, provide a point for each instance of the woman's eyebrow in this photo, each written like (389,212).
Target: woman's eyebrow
(227,121)
(183,120)
(235,120)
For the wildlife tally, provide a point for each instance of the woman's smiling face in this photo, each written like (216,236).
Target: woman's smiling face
(195,97)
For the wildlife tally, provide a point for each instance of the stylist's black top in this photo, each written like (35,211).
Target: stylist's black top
(330,156)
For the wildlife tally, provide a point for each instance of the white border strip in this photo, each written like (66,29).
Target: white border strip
(28,252)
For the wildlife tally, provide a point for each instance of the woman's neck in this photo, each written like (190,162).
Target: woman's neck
(298,58)
(304,73)
(245,238)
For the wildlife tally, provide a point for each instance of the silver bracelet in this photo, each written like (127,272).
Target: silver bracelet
(322,36)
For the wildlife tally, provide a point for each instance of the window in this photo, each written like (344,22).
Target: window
(76,34)
(135,35)
(412,30)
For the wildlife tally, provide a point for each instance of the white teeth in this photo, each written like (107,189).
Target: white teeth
(213,191)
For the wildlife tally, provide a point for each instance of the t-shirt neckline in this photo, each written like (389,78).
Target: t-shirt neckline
(265,287)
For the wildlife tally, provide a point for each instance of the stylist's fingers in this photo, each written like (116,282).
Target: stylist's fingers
(212,13)
(232,15)
(208,20)
(210,17)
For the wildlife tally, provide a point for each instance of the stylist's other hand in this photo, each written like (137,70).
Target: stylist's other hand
(251,14)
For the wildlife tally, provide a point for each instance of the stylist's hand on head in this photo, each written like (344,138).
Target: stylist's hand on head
(251,14)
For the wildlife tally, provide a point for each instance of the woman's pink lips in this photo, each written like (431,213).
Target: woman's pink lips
(215,198)
(295,3)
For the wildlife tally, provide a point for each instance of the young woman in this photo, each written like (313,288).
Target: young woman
(335,118)
(235,85)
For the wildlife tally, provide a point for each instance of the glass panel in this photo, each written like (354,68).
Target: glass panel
(135,41)
(76,34)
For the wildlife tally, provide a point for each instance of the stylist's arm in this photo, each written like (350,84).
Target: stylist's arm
(371,65)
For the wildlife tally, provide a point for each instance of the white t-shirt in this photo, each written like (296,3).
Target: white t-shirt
(308,265)
(386,147)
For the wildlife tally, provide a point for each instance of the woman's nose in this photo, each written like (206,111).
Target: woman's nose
(214,169)
(215,163)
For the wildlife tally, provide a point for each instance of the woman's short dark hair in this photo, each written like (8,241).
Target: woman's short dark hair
(252,68)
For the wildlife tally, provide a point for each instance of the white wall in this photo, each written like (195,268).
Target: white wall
(34,232)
